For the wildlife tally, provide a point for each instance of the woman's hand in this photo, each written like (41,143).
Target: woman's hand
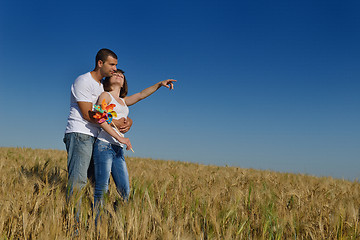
(127,142)
(169,83)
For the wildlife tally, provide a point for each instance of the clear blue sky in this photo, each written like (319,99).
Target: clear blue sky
(261,84)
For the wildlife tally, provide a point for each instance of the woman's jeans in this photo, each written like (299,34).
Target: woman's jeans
(109,158)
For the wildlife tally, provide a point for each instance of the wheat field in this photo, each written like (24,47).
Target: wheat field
(174,200)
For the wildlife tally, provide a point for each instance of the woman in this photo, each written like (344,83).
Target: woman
(108,149)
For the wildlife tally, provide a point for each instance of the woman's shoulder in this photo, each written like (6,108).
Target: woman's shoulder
(105,95)
(123,101)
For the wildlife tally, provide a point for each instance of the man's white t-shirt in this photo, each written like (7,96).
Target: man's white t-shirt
(84,89)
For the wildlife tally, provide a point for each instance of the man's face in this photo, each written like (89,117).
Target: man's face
(108,67)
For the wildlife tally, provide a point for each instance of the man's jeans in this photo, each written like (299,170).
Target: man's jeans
(109,159)
(79,147)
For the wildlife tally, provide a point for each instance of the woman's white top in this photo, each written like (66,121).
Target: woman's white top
(122,111)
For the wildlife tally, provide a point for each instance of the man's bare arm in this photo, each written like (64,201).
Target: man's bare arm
(86,111)
(123,124)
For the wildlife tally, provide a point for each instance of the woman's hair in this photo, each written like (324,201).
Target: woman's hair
(124,88)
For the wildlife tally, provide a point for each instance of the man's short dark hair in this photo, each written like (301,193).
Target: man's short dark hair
(103,54)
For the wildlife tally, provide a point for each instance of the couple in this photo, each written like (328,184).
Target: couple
(86,139)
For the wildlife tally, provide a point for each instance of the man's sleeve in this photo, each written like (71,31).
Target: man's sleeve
(82,90)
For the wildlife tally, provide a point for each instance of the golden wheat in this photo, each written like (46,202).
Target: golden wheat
(175,200)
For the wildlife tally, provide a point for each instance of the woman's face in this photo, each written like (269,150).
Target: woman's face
(117,78)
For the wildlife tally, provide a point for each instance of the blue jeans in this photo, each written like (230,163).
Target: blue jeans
(79,147)
(109,159)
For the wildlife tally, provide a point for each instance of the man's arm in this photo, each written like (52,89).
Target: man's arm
(123,124)
(86,111)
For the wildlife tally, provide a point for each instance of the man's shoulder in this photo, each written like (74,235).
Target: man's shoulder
(84,77)
(86,81)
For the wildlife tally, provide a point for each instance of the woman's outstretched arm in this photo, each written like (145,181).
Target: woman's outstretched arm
(130,100)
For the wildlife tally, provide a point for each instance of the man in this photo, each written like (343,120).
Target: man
(82,130)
